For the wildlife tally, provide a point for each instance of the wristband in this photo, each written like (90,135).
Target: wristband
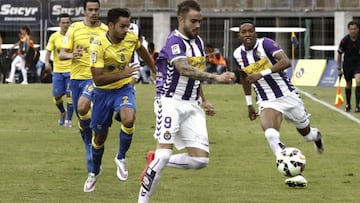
(266,72)
(248,99)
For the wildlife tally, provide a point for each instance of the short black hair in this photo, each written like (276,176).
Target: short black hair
(115,13)
(86,1)
(247,21)
(185,6)
(353,23)
(63,15)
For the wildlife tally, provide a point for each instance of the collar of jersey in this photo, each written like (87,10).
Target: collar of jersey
(181,35)
(108,37)
(99,23)
(255,45)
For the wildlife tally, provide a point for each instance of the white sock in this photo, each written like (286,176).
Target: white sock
(313,135)
(153,174)
(273,138)
(184,161)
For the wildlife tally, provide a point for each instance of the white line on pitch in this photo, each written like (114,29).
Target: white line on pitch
(349,116)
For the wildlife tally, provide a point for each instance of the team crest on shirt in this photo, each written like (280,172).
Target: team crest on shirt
(175,49)
(258,54)
(97,42)
(167,135)
(122,57)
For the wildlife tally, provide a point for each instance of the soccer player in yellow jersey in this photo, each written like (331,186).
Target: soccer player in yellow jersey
(112,75)
(61,71)
(76,46)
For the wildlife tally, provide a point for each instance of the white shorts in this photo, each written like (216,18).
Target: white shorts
(291,106)
(182,123)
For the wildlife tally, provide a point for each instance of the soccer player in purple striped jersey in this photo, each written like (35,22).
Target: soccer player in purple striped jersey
(262,63)
(179,107)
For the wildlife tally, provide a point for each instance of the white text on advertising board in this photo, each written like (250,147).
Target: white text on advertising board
(58,9)
(7,9)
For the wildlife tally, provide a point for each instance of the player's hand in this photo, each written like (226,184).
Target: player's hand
(130,69)
(226,77)
(77,54)
(209,109)
(47,66)
(254,77)
(251,112)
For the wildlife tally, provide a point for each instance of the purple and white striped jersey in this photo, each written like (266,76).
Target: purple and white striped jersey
(271,86)
(169,82)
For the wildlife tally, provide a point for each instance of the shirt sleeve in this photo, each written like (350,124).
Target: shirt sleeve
(341,46)
(50,45)
(271,47)
(175,48)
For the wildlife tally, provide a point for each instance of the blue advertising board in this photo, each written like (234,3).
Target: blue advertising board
(330,74)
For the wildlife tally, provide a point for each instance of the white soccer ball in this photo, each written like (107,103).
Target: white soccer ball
(291,162)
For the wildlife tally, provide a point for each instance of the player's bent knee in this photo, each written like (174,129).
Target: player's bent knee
(83,106)
(199,162)
(83,110)
(128,123)
(303,125)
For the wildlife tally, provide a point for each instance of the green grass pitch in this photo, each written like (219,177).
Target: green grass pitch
(43,162)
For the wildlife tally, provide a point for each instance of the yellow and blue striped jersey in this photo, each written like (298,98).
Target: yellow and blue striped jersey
(113,57)
(54,44)
(80,36)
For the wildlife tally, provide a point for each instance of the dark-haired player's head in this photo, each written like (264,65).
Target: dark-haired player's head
(64,22)
(91,1)
(92,11)
(247,34)
(353,28)
(118,20)
(189,18)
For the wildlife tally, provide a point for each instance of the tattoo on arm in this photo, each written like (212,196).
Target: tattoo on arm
(185,69)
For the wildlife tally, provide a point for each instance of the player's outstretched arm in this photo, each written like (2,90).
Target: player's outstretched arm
(185,69)
(248,98)
(100,78)
(66,54)
(47,60)
(144,54)
(209,109)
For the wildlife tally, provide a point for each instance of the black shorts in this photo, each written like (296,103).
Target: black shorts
(350,71)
